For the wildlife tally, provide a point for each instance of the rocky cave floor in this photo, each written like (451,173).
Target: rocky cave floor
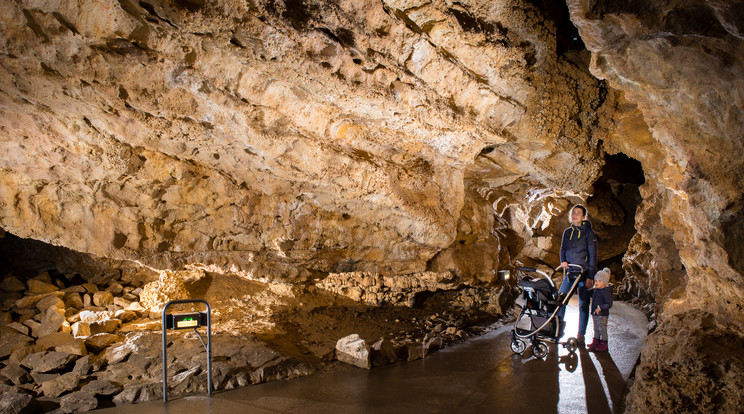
(71,345)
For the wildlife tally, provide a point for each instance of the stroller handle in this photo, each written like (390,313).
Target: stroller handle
(527,269)
(581,269)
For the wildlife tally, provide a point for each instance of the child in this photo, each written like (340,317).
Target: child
(600,309)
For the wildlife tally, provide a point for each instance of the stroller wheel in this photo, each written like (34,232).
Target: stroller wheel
(518,346)
(572,345)
(540,350)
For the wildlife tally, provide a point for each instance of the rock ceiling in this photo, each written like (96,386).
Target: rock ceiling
(288,139)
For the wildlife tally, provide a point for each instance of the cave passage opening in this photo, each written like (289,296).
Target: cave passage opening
(614,202)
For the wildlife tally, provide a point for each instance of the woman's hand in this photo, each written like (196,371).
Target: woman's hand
(564,265)
(589,283)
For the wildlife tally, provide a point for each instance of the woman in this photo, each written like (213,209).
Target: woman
(579,246)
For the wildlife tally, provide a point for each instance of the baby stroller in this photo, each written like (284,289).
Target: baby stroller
(538,322)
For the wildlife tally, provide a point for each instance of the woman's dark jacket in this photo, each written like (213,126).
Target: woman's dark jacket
(602,299)
(579,246)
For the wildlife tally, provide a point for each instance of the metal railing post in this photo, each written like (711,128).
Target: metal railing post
(168,323)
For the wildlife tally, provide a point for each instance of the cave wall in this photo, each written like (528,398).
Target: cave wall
(680,64)
(282,140)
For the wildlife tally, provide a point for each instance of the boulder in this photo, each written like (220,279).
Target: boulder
(125,315)
(74,347)
(90,287)
(139,392)
(40,378)
(37,287)
(103,298)
(11,283)
(108,326)
(432,344)
(353,350)
(43,277)
(5,318)
(136,307)
(122,303)
(94,316)
(383,352)
(169,287)
(98,342)
(411,351)
(141,362)
(8,300)
(25,330)
(48,361)
(66,328)
(80,329)
(24,314)
(15,373)
(88,364)
(281,369)
(73,300)
(17,356)
(10,340)
(74,289)
(51,322)
(60,385)
(116,354)
(34,326)
(102,387)
(27,302)
(124,373)
(115,288)
(48,302)
(78,402)
(14,401)
(187,381)
(54,340)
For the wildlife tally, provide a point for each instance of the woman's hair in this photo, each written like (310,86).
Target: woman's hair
(582,208)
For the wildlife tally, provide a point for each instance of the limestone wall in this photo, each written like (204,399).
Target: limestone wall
(681,64)
(281,139)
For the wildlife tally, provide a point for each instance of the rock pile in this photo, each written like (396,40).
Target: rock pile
(72,345)
(56,333)
(69,344)
(376,289)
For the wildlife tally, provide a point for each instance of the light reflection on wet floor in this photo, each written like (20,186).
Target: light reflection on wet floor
(481,375)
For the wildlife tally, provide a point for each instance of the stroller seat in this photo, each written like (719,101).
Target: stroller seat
(539,289)
(538,321)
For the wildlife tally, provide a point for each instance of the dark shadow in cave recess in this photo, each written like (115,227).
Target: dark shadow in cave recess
(28,257)
(567,35)
(614,203)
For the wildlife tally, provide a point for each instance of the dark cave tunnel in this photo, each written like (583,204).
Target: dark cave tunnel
(614,202)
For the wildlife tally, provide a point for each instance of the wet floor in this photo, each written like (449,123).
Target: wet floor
(481,375)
